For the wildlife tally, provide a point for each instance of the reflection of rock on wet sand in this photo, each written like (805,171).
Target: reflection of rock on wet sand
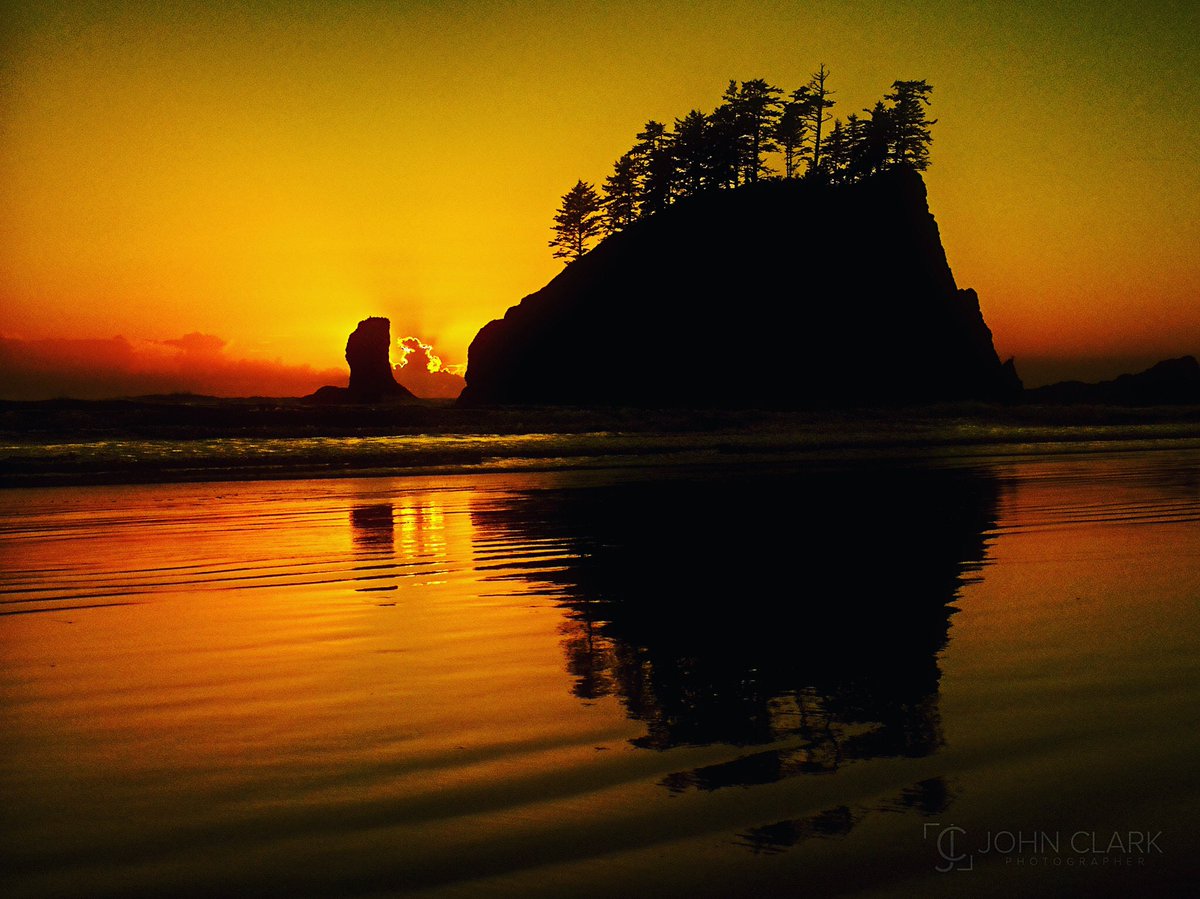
(806,608)
(372,527)
(373,534)
(396,539)
(927,797)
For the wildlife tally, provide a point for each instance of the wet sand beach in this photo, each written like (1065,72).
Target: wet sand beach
(782,678)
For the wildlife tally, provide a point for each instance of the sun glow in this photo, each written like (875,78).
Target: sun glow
(271,173)
(433,362)
(435,379)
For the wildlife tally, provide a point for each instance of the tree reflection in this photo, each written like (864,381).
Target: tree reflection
(802,607)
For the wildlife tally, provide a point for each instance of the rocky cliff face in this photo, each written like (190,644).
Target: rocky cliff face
(784,293)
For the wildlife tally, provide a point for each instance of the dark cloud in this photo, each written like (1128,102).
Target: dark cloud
(193,363)
(198,344)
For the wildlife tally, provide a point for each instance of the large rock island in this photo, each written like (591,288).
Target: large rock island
(783,293)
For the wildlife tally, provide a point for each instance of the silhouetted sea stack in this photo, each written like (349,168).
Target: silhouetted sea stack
(368,353)
(783,293)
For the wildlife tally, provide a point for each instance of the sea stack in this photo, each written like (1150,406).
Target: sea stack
(783,293)
(368,353)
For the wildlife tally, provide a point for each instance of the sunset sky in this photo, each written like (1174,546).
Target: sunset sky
(269,173)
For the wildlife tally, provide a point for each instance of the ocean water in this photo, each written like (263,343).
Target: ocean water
(593,441)
(978,675)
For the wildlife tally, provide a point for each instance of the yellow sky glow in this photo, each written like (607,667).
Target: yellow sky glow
(273,172)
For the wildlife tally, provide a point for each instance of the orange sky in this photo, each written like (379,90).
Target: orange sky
(272,172)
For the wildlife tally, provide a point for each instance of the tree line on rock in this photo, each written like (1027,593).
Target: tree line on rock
(732,146)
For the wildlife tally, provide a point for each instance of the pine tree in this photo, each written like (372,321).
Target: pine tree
(657,168)
(577,222)
(758,108)
(875,148)
(693,152)
(856,138)
(910,137)
(791,131)
(727,142)
(819,100)
(621,194)
(837,154)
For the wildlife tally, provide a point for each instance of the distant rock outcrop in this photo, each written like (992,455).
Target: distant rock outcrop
(1167,383)
(783,293)
(368,352)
